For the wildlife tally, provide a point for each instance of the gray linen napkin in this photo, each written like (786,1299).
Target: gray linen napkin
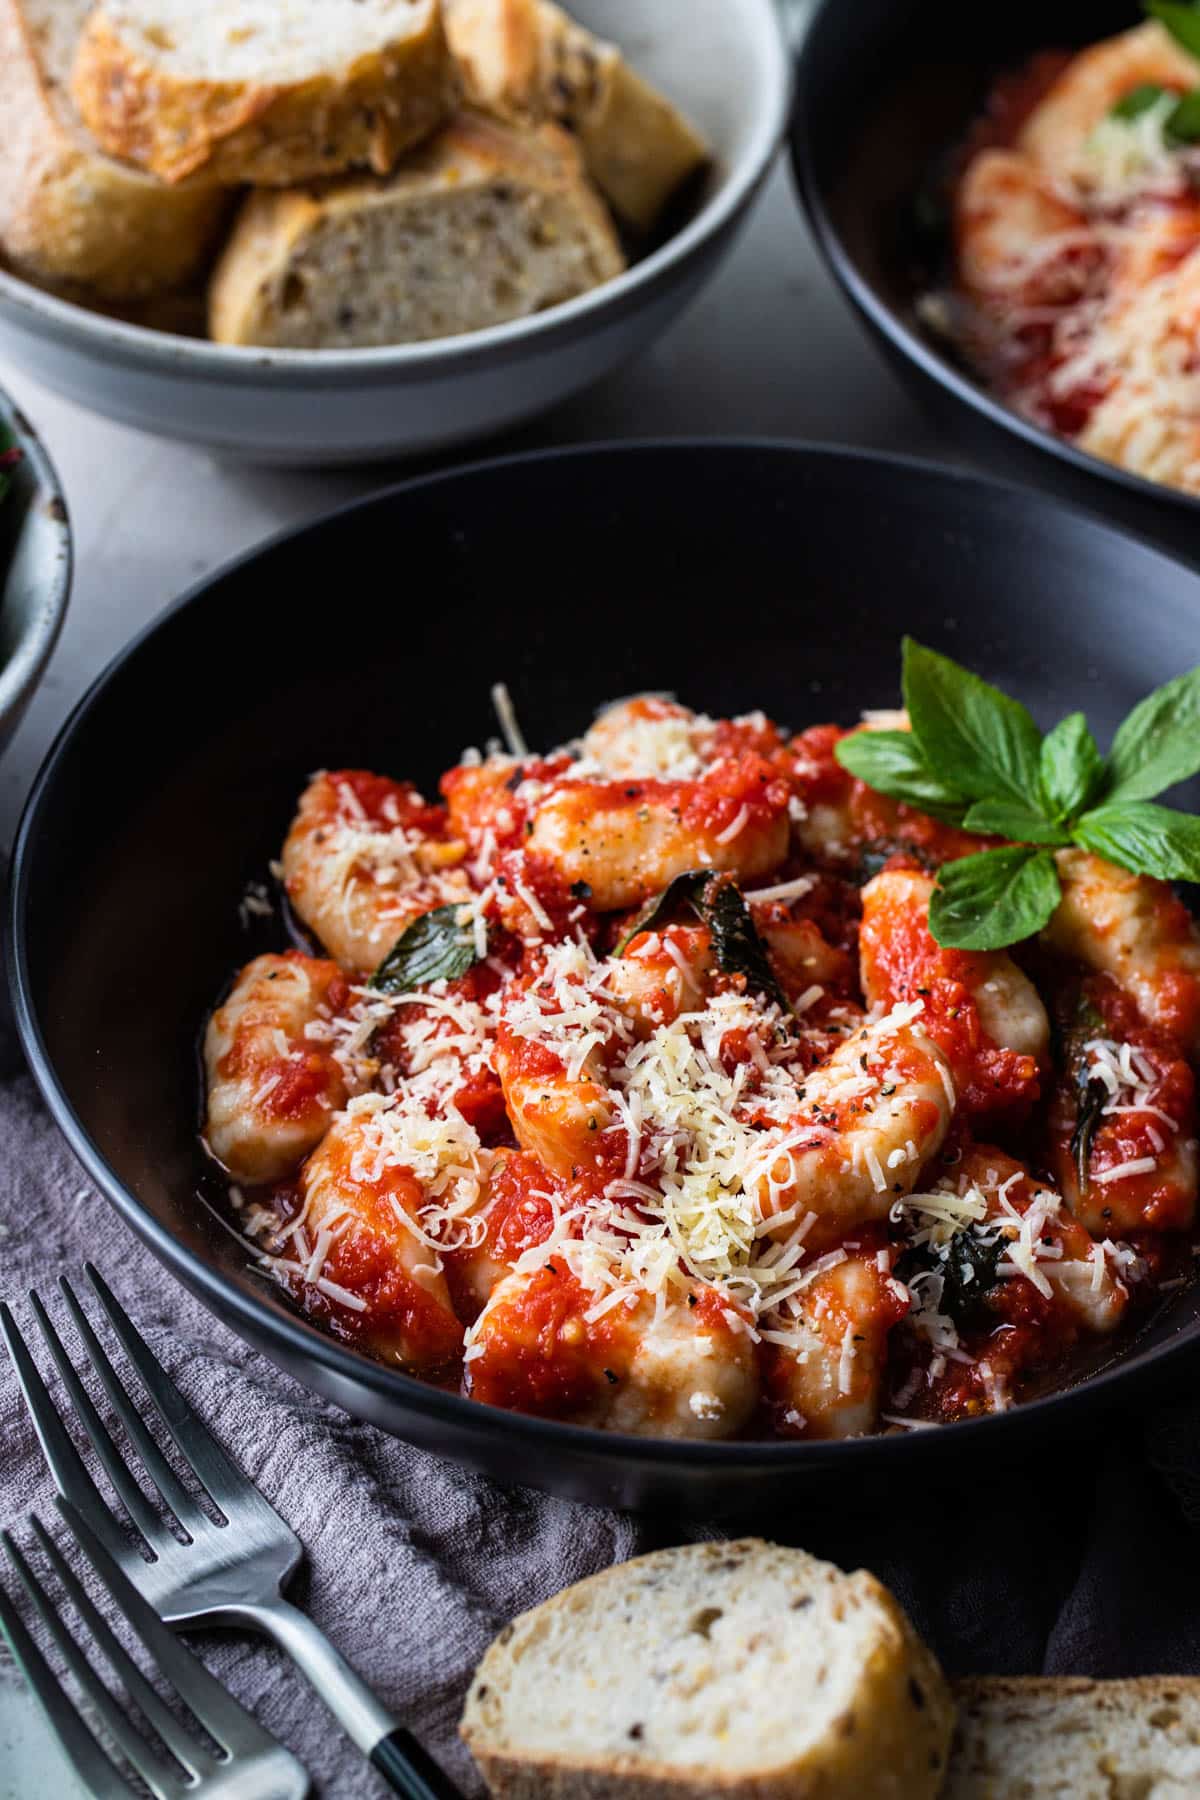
(413,1564)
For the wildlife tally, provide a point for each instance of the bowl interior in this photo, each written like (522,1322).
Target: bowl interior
(35,568)
(736,576)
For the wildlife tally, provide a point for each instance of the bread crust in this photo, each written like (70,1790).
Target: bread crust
(70,218)
(892,1745)
(527,59)
(273,229)
(361,115)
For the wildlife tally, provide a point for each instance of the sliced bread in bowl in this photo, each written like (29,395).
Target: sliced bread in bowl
(70,216)
(528,59)
(483,224)
(261,91)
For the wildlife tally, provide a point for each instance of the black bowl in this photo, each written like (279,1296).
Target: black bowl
(736,574)
(885,88)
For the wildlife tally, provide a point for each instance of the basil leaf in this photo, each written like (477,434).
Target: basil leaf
(1009,819)
(989,901)
(891,762)
(680,889)
(1183,123)
(1159,743)
(435,947)
(963,724)
(1093,1098)
(718,903)
(1182,21)
(737,947)
(1071,767)
(969,1268)
(1149,840)
(1137,101)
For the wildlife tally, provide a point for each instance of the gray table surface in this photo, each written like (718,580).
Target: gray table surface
(770,348)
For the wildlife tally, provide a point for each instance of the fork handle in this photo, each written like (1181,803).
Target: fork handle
(406,1767)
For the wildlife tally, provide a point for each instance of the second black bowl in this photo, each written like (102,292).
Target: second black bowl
(886,87)
(738,575)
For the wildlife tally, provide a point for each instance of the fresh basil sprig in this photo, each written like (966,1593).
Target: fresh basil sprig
(975,759)
(435,947)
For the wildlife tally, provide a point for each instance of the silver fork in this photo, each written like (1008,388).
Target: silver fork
(248,1763)
(230,1573)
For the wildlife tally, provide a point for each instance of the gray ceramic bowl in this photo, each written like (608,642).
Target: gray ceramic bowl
(35,570)
(726,65)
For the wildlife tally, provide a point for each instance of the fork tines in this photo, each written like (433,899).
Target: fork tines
(187,1762)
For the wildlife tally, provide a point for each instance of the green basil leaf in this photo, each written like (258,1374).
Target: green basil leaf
(965,726)
(435,947)
(1009,819)
(737,946)
(989,901)
(680,890)
(1137,101)
(1183,122)
(1159,743)
(1149,840)
(1071,767)
(969,1268)
(1181,20)
(891,762)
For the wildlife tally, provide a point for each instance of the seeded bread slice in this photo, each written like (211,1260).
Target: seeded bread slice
(742,1670)
(1076,1739)
(262,91)
(70,217)
(483,224)
(526,59)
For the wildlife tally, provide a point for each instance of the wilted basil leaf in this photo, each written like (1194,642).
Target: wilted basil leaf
(435,947)
(678,892)
(737,947)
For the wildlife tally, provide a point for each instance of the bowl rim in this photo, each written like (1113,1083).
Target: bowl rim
(303,1341)
(935,364)
(143,347)
(23,670)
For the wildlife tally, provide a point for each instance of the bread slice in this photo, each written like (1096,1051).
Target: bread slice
(741,1669)
(262,91)
(69,216)
(484,223)
(526,59)
(1080,1740)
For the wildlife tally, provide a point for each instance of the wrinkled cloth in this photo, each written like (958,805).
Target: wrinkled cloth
(1085,1559)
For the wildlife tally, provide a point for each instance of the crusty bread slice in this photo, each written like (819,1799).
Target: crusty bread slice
(262,91)
(743,1670)
(1077,1739)
(483,224)
(70,216)
(526,59)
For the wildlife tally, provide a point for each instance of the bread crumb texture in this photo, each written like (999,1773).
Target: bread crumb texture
(262,91)
(484,224)
(741,1669)
(1043,1739)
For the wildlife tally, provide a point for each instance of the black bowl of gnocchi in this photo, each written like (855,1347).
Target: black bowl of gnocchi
(1012,202)
(687,995)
